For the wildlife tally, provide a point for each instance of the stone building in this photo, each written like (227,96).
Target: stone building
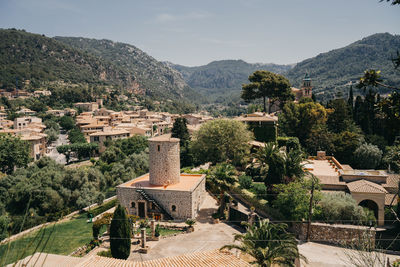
(163,193)
(373,189)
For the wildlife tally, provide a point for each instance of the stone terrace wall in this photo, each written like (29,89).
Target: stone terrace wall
(334,233)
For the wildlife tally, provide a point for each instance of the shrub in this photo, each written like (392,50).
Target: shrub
(291,143)
(105,253)
(245,181)
(260,190)
(367,156)
(341,207)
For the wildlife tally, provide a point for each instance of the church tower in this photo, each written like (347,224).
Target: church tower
(306,88)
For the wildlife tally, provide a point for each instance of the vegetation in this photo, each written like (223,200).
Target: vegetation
(180,130)
(120,234)
(14,153)
(221,140)
(269,244)
(367,156)
(265,84)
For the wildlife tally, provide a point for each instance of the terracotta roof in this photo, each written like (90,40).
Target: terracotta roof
(392,181)
(364,186)
(112,132)
(164,138)
(213,258)
(389,198)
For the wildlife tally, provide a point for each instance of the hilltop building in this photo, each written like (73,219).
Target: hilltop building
(373,189)
(163,193)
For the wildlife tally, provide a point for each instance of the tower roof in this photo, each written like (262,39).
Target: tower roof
(307,77)
(164,138)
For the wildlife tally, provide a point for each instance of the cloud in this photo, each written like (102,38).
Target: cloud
(167,17)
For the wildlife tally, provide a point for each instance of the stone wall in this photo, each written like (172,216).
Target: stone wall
(335,233)
(164,162)
(198,196)
(166,198)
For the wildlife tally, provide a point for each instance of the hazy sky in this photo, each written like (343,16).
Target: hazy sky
(196,32)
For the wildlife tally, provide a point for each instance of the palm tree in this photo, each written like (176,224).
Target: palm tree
(294,165)
(268,244)
(272,163)
(222,178)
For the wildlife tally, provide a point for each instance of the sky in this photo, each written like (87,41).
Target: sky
(194,33)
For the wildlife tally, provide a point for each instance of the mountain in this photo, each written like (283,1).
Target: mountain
(219,78)
(332,72)
(154,77)
(34,57)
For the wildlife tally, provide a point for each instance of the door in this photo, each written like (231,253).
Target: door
(142,212)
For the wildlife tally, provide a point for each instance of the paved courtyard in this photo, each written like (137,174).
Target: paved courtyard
(206,237)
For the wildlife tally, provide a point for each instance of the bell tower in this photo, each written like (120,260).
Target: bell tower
(306,88)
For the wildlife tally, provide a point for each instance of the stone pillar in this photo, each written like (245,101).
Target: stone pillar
(381,216)
(143,237)
(153,228)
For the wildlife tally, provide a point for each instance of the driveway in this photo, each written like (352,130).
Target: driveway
(332,256)
(207,236)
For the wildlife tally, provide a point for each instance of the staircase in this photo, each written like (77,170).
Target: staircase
(167,216)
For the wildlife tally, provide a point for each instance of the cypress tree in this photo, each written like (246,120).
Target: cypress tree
(351,97)
(180,130)
(120,234)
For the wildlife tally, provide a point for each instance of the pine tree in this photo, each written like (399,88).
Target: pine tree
(120,234)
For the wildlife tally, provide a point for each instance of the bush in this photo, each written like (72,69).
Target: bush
(367,156)
(340,207)
(260,190)
(105,253)
(245,181)
(291,143)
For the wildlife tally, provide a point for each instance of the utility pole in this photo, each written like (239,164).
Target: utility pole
(310,207)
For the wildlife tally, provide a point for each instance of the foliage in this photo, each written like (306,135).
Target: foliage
(367,156)
(67,123)
(180,130)
(105,219)
(340,117)
(76,136)
(293,199)
(341,207)
(80,150)
(269,244)
(260,190)
(245,181)
(299,120)
(221,140)
(14,153)
(190,222)
(120,234)
(336,68)
(52,135)
(291,143)
(265,84)
(391,158)
(131,145)
(105,253)
(345,144)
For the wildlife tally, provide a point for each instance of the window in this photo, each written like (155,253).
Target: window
(133,205)
(158,147)
(173,208)
(96,139)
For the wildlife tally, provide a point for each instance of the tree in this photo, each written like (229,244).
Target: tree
(272,164)
(345,144)
(180,130)
(120,234)
(76,136)
(67,123)
(339,118)
(293,199)
(264,84)
(14,153)
(391,159)
(221,140)
(300,119)
(222,178)
(269,244)
(367,156)
(350,101)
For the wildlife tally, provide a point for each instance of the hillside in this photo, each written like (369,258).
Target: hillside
(333,70)
(224,77)
(154,77)
(34,57)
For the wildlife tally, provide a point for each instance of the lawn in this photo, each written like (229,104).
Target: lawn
(62,238)
(163,231)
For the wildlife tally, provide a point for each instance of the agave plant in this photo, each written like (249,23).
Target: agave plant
(268,244)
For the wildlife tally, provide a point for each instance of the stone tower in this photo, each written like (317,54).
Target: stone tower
(306,88)
(164,160)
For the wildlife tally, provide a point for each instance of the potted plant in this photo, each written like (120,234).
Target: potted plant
(190,223)
(157,232)
(216,217)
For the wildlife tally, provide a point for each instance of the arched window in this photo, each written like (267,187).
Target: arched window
(173,208)
(133,205)
(158,147)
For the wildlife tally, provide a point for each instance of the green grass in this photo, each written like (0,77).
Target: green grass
(61,239)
